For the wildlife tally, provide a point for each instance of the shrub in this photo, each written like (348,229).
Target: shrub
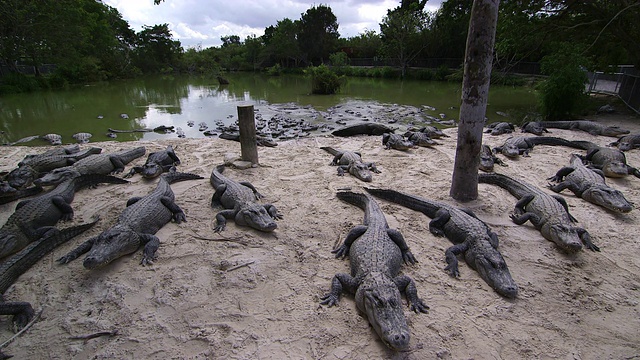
(274,70)
(563,92)
(324,80)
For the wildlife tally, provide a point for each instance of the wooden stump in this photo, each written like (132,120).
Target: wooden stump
(248,143)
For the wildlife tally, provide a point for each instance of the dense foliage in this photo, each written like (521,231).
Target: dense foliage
(324,81)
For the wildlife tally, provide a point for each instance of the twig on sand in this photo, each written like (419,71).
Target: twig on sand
(35,318)
(94,335)
(239,266)
(238,240)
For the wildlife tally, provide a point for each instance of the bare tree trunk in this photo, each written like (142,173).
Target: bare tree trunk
(475,93)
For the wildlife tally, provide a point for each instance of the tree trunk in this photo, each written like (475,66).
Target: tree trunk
(475,92)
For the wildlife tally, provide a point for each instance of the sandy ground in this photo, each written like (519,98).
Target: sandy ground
(193,304)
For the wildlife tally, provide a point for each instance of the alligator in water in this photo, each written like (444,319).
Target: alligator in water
(16,265)
(82,137)
(591,127)
(488,159)
(34,217)
(589,185)
(136,226)
(548,213)
(470,235)
(612,162)
(627,142)
(376,253)
(533,127)
(239,200)
(351,162)
(420,139)
(396,141)
(161,129)
(53,139)
(30,169)
(499,128)
(157,163)
(522,145)
(365,128)
(97,164)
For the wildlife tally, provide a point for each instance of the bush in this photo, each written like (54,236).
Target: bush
(324,80)
(563,92)
(339,59)
(275,70)
(17,83)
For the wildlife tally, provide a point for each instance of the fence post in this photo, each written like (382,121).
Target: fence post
(247,125)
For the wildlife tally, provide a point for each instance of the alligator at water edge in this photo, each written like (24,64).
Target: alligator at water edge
(420,139)
(589,184)
(533,127)
(470,236)
(376,253)
(548,213)
(499,128)
(397,142)
(591,127)
(136,226)
(157,163)
(365,128)
(351,162)
(239,200)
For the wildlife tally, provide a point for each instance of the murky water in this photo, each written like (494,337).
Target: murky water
(175,100)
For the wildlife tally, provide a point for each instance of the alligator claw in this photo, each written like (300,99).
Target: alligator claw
(453,270)
(419,306)
(436,231)
(146,261)
(179,217)
(409,258)
(329,300)
(341,252)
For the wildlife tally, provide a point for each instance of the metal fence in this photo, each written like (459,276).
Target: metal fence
(625,83)
(26,69)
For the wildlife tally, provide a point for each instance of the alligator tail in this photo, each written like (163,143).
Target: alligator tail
(363,201)
(330,150)
(86,180)
(584,145)
(19,263)
(549,140)
(130,155)
(425,206)
(173,177)
(514,187)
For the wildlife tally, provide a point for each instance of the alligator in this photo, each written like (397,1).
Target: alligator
(612,162)
(548,213)
(488,159)
(396,141)
(591,127)
(161,128)
(18,264)
(9,194)
(30,169)
(98,164)
(239,200)
(136,226)
(521,145)
(260,140)
(67,150)
(589,185)
(82,137)
(23,140)
(157,163)
(534,127)
(499,128)
(433,132)
(351,162)
(376,253)
(627,142)
(364,128)
(32,218)
(53,139)
(420,139)
(471,237)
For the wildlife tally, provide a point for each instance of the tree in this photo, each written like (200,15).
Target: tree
(475,93)
(403,34)
(365,45)
(156,50)
(282,45)
(318,33)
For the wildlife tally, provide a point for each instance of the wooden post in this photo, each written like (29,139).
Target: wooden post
(248,143)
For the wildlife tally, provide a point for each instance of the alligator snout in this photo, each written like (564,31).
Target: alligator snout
(91,262)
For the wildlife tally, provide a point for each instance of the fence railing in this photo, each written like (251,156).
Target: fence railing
(625,83)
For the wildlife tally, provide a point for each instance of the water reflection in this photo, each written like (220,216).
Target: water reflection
(175,100)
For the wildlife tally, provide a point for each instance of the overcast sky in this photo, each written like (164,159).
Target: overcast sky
(203,22)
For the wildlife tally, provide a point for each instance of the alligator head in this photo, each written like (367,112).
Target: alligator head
(257,217)
(380,300)
(615,169)
(486,162)
(21,177)
(494,271)
(614,131)
(625,145)
(511,151)
(56,176)
(608,198)
(110,245)
(361,171)
(565,236)
(151,171)
(6,188)
(533,127)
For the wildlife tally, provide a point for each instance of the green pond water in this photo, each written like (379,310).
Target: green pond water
(174,100)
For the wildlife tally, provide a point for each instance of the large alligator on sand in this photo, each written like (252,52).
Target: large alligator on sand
(239,200)
(396,141)
(488,159)
(351,162)
(376,253)
(627,142)
(591,127)
(612,162)
(548,213)
(589,184)
(470,235)
(30,169)
(522,145)
(365,128)
(420,139)
(33,218)
(136,226)
(533,127)
(18,264)
(98,164)
(499,128)
(67,150)
(157,163)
